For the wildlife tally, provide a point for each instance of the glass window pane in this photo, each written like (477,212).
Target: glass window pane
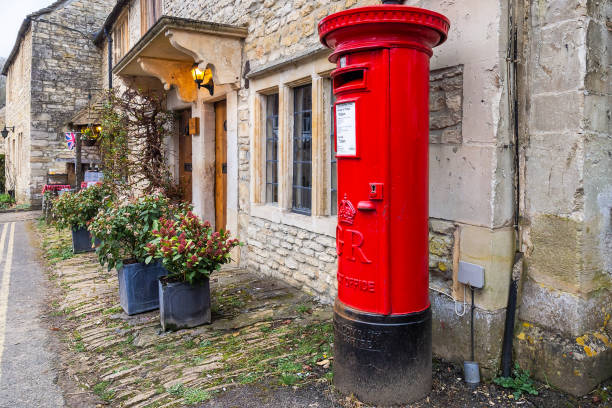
(272,148)
(302,149)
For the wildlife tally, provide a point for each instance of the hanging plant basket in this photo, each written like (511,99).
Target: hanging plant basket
(89,142)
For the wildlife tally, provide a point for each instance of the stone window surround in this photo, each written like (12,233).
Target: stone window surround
(121,26)
(282,81)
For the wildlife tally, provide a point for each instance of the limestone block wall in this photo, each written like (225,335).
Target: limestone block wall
(18,91)
(303,258)
(567,200)
(66,65)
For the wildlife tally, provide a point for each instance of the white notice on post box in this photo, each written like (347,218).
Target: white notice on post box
(346,143)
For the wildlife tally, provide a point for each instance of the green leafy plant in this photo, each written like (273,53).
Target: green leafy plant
(75,210)
(124,229)
(191,395)
(134,127)
(520,382)
(101,390)
(89,133)
(189,248)
(6,201)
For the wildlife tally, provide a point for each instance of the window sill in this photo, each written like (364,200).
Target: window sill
(325,225)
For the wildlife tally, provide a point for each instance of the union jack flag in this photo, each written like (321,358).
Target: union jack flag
(70,140)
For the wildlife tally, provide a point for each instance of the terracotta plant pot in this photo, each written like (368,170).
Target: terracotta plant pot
(138,291)
(182,306)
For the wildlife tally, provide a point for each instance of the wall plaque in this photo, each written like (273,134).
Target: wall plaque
(346,143)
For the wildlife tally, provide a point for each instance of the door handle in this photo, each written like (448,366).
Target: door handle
(224,168)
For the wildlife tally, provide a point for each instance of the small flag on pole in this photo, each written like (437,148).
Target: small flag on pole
(70,140)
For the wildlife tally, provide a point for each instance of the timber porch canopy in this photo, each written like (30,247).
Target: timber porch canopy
(170,48)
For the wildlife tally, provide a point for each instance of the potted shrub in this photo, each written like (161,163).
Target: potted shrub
(190,250)
(123,230)
(74,210)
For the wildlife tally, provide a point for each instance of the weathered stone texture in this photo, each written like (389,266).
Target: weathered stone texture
(276,28)
(446,105)
(576,365)
(451,333)
(300,257)
(567,193)
(441,253)
(18,107)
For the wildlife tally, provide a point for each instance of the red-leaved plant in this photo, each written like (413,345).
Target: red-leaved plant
(189,248)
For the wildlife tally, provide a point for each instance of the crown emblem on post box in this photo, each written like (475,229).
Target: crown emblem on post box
(346,211)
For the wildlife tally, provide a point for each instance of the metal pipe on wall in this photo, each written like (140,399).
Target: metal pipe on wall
(109,39)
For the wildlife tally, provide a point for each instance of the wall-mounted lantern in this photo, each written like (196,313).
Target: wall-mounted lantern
(204,79)
(6,131)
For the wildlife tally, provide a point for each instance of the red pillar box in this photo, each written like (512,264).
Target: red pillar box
(382,319)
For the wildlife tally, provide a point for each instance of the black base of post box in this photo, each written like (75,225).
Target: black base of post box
(382,360)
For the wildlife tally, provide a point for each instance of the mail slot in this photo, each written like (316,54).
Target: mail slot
(382,314)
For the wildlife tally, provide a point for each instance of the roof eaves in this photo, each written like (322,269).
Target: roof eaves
(110,20)
(25,26)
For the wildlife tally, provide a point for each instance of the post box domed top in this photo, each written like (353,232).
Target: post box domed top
(382,26)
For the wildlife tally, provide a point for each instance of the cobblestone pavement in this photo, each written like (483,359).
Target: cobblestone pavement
(263,330)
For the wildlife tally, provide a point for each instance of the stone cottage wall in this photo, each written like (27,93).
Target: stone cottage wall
(66,65)
(567,204)
(18,107)
(300,257)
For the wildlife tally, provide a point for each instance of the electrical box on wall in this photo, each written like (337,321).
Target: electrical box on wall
(471,274)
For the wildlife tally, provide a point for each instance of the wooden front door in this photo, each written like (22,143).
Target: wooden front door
(220,165)
(185,155)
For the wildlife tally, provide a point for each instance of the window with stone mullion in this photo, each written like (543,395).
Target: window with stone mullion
(272,148)
(302,150)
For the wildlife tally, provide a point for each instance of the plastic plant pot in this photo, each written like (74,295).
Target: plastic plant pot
(81,241)
(182,306)
(138,291)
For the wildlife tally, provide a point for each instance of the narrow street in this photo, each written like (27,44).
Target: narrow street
(26,373)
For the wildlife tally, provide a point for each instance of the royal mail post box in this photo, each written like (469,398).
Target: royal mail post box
(382,318)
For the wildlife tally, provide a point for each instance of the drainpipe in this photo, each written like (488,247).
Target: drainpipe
(109,39)
(512,68)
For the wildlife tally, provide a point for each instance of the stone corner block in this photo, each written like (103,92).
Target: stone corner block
(494,250)
(575,365)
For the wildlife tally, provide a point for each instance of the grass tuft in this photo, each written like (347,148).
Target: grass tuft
(102,391)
